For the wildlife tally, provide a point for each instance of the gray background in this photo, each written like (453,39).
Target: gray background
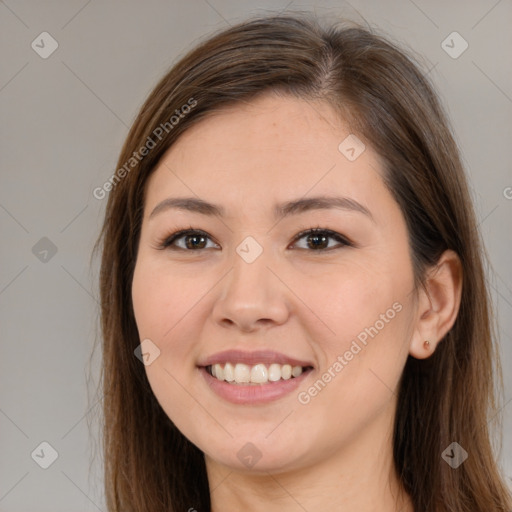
(64,119)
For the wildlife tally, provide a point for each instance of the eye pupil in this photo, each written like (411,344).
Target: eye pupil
(193,245)
(315,244)
(317,240)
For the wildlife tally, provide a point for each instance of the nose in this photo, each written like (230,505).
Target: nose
(252,296)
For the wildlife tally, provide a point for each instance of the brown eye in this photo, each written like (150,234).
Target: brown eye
(193,240)
(319,239)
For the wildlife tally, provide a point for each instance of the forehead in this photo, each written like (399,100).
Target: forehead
(267,123)
(272,146)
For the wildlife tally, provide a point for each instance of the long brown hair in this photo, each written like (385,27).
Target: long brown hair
(379,89)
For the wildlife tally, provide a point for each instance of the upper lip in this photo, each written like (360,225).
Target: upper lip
(251,358)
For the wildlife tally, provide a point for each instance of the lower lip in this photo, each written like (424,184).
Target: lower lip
(253,393)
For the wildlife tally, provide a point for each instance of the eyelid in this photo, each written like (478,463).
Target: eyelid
(342,239)
(168,240)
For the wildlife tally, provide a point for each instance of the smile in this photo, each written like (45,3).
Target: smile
(260,373)
(253,377)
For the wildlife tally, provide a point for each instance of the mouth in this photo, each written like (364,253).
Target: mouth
(253,378)
(260,373)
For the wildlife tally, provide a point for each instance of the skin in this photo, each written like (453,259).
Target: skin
(334,452)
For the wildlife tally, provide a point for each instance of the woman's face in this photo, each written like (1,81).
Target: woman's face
(338,307)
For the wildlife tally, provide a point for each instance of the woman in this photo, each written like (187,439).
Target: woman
(294,308)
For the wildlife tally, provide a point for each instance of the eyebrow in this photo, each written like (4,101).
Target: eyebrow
(196,205)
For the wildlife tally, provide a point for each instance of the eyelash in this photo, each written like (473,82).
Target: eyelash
(166,242)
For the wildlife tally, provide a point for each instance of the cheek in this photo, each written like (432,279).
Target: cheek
(169,310)
(161,304)
(352,297)
(162,298)
(367,308)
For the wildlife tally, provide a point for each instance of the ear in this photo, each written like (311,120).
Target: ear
(438,306)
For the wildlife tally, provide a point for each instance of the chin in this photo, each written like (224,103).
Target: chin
(257,454)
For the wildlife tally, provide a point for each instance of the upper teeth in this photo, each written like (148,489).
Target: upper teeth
(241,373)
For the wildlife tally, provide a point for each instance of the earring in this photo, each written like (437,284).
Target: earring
(426,344)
